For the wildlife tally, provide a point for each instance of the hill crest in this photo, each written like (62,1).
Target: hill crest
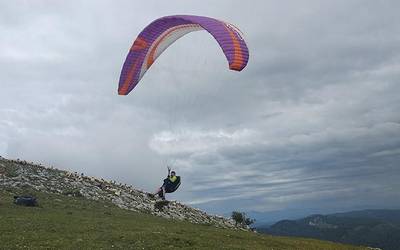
(25,175)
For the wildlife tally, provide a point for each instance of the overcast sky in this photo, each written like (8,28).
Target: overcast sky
(312,123)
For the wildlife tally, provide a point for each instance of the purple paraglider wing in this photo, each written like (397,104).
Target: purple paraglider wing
(161,33)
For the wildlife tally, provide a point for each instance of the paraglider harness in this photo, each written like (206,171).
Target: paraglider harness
(169,186)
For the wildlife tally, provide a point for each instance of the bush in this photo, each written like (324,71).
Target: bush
(241,218)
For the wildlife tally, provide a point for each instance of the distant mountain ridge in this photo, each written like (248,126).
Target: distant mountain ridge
(376,228)
(387,215)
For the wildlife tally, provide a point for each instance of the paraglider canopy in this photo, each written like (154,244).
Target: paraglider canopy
(161,33)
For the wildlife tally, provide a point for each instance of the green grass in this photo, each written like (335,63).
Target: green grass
(62,222)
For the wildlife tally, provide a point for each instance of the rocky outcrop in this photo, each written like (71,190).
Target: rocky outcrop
(22,174)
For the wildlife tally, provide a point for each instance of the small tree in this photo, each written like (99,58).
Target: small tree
(241,218)
(237,217)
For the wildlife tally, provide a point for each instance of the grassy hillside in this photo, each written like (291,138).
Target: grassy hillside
(62,222)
